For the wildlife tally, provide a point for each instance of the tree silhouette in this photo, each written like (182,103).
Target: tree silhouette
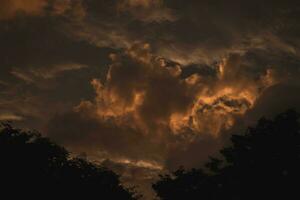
(31,166)
(263,163)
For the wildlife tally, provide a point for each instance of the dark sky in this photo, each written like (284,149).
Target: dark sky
(148,84)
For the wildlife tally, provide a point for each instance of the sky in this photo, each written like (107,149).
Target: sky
(146,86)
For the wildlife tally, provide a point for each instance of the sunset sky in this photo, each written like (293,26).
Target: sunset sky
(147,86)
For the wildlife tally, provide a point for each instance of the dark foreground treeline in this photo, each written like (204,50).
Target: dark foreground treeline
(263,164)
(32,167)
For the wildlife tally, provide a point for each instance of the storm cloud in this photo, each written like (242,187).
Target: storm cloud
(147,84)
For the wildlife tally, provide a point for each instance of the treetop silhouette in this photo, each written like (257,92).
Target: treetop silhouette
(34,167)
(263,163)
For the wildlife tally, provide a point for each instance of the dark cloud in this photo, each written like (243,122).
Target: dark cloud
(88,134)
(170,79)
(276,99)
(196,31)
(41,65)
(145,108)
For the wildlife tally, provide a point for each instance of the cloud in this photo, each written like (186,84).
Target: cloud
(100,138)
(10,117)
(152,113)
(39,67)
(191,33)
(276,99)
(146,11)
(135,176)
(13,8)
(10,8)
(145,103)
(206,31)
(34,75)
(147,83)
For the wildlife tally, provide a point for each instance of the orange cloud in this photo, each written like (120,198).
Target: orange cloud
(146,110)
(147,10)
(10,117)
(35,75)
(10,8)
(149,112)
(149,95)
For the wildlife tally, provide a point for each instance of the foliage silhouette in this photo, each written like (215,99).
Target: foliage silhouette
(31,166)
(263,163)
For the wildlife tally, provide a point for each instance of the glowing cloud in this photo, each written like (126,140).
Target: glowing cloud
(148,94)
(11,8)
